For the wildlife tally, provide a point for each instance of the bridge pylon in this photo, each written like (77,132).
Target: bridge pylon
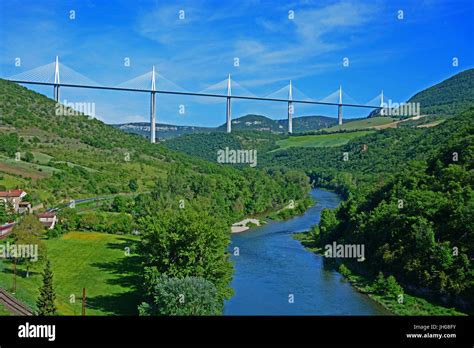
(228,107)
(153,107)
(339,107)
(290,109)
(56,81)
(382,106)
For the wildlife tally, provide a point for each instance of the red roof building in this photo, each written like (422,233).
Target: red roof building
(13,198)
(48,219)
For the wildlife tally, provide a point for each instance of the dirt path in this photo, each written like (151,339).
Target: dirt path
(395,123)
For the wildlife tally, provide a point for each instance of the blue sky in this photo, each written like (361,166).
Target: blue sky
(400,56)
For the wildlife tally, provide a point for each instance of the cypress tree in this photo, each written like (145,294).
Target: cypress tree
(3,213)
(45,302)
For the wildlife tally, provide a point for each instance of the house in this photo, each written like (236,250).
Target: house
(48,219)
(13,198)
(24,207)
(6,229)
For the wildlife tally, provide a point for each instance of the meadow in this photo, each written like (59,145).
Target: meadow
(322,140)
(362,124)
(102,263)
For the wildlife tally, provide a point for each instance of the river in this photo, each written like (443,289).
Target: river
(276,275)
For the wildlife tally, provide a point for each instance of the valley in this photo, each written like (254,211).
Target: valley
(405,189)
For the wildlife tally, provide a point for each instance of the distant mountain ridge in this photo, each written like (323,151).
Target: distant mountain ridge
(247,122)
(166,131)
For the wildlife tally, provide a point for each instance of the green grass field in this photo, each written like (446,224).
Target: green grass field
(4,312)
(95,261)
(25,169)
(362,124)
(323,140)
(41,157)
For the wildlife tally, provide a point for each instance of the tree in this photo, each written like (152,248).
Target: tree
(187,243)
(45,303)
(55,232)
(182,296)
(133,185)
(3,212)
(119,204)
(29,157)
(29,232)
(392,288)
(379,284)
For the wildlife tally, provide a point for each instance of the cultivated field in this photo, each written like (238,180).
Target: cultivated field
(323,140)
(363,124)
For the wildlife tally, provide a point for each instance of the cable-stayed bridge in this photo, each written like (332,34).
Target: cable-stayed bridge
(59,75)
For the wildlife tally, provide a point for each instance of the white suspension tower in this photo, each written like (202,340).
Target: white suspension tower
(339,108)
(153,107)
(290,109)
(56,81)
(228,109)
(381,104)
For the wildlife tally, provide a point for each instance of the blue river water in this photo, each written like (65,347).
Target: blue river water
(276,275)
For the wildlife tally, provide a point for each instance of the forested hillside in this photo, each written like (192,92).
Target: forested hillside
(263,123)
(410,201)
(418,226)
(206,145)
(77,156)
(450,97)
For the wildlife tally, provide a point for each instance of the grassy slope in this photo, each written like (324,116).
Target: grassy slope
(449,97)
(95,261)
(323,140)
(362,124)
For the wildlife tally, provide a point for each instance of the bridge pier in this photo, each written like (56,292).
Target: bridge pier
(339,107)
(153,118)
(56,93)
(153,107)
(290,109)
(228,107)
(56,81)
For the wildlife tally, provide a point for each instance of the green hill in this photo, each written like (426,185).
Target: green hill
(263,123)
(247,123)
(206,145)
(254,122)
(449,97)
(321,140)
(363,123)
(73,157)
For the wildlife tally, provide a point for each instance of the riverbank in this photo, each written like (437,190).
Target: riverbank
(275,275)
(244,225)
(398,305)
(292,210)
